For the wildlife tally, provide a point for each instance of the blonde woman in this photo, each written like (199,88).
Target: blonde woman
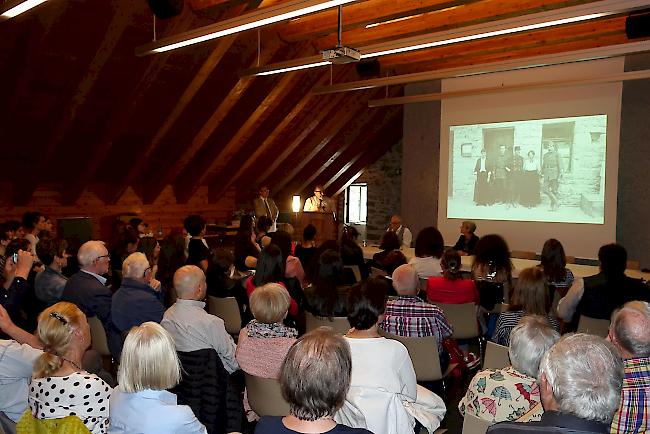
(141,404)
(60,387)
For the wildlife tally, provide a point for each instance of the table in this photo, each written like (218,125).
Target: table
(518,264)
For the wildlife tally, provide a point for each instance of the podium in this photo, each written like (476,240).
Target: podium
(326,226)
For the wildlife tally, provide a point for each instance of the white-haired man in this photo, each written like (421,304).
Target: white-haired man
(139,298)
(629,331)
(409,316)
(403,233)
(190,325)
(580,380)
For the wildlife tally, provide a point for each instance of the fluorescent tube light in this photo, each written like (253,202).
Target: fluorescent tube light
(19,8)
(293,68)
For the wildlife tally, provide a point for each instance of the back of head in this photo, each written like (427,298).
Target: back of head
(492,253)
(48,248)
(450,263)
(531,292)
(630,328)
(186,279)
(56,326)
(245,223)
(263,223)
(529,341)
(147,245)
(389,241)
(17,244)
(316,373)
(613,259)
(148,360)
(429,242)
(270,266)
(349,235)
(366,302)
(405,280)
(90,251)
(585,373)
(221,261)
(270,303)
(135,265)
(309,232)
(282,239)
(553,260)
(30,219)
(330,264)
(194,224)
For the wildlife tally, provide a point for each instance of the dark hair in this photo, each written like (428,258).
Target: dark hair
(450,264)
(309,233)
(366,301)
(147,246)
(222,259)
(389,241)
(315,375)
(313,267)
(492,255)
(17,244)
(11,225)
(429,242)
(135,222)
(246,223)
(613,259)
(530,293)
(264,223)
(194,224)
(30,220)
(282,239)
(553,260)
(172,256)
(270,266)
(330,268)
(48,248)
(349,235)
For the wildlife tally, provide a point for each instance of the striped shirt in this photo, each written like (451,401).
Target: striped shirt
(634,414)
(411,317)
(509,320)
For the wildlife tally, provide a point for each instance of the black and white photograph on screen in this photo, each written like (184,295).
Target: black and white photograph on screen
(546,170)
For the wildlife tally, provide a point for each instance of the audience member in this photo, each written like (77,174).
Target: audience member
(451,288)
(190,325)
(553,262)
(270,269)
(530,297)
(429,247)
(140,227)
(630,333)
(492,270)
(151,249)
(403,233)
(580,381)
(262,229)
(507,394)
(13,229)
(221,280)
(141,403)
(467,241)
(33,223)
(409,316)
(292,266)
(315,380)
(49,284)
(351,252)
(5,239)
(327,296)
(197,251)
(389,257)
(265,206)
(246,248)
(59,386)
(597,296)
(124,241)
(306,250)
(140,298)
(265,341)
(172,257)
(15,288)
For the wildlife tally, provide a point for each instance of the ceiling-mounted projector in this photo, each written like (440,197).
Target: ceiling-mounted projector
(341,55)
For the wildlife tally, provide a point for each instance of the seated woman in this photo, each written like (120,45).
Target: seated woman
(263,225)
(151,248)
(141,404)
(60,387)
(467,241)
(530,297)
(220,282)
(246,248)
(389,258)
(377,390)
(265,341)
(498,395)
(553,262)
(429,247)
(451,288)
(327,296)
(315,379)
(351,252)
(492,270)
(292,266)
(49,284)
(270,269)
(306,250)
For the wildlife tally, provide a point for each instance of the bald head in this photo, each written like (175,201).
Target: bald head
(189,283)
(630,329)
(405,280)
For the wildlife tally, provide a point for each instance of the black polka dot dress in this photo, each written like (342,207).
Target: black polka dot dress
(79,394)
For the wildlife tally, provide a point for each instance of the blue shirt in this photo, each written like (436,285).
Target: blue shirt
(151,412)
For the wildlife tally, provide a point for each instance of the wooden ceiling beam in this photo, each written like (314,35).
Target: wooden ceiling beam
(156,186)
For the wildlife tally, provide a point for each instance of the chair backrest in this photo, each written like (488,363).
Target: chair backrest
(228,310)
(462,318)
(424,355)
(339,324)
(522,254)
(475,425)
(377,272)
(593,326)
(355,270)
(265,396)
(98,335)
(496,356)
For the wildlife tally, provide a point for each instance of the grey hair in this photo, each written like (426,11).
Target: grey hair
(90,251)
(135,265)
(529,341)
(405,279)
(470,225)
(585,373)
(631,328)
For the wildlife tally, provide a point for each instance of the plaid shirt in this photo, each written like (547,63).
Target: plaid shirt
(633,416)
(411,317)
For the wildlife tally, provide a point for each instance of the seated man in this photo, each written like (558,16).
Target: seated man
(403,233)
(190,325)
(319,202)
(49,284)
(409,316)
(580,385)
(597,296)
(630,333)
(139,298)
(16,290)
(467,241)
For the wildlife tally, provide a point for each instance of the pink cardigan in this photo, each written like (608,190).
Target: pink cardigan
(262,357)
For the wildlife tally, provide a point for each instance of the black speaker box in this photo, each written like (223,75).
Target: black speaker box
(638,25)
(166,8)
(369,68)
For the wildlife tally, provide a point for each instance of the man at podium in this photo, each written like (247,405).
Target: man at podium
(319,202)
